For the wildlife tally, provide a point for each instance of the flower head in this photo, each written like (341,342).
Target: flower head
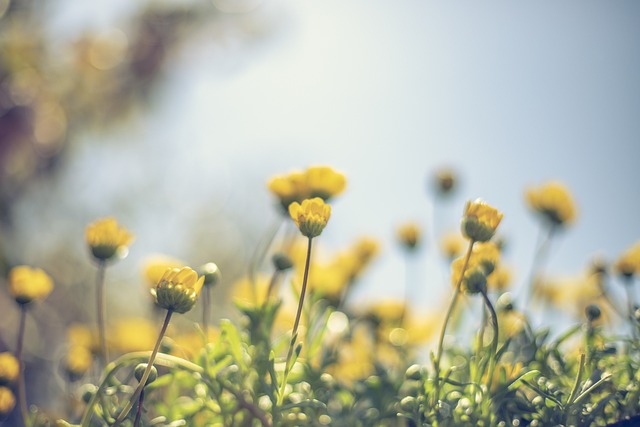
(211,274)
(27,284)
(324,182)
(311,216)
(9,368)
(445,181)
(628,264)
(178,289)
(452,245)
(78,361)
(480,220)
(106,238)
(7,401)
(289,188)
(553,201)
(474,279)
(409,235)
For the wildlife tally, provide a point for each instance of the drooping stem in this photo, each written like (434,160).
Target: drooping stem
(101,312)
(494,339)
(22,392)
(145,375)
(452,304)
(294,333)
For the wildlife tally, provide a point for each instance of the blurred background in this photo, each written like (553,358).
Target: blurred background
(173,115)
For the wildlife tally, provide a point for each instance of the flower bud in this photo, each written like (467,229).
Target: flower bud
(211,274)
(139,372)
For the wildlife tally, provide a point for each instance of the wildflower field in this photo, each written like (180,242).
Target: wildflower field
(299,353)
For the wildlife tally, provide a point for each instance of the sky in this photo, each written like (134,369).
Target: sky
(508,94)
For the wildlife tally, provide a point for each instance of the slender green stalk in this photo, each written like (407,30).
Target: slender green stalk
(294,333)
(145,375)
(494,339)
(272,284)
(206,310)
(542,252)
(22,392)
(101,312)
(136,422)
(261,250)
(454,300)
(133,359)
(631,305)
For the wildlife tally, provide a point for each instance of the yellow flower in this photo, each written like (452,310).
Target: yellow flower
(132,334)
(480,220)
(409,235)
(156,265)
(628,264)
(81,335)
(445,181)
(500,279)
(9,368)
(553,201)
(7,401)
(475,278)
(178,289)
(27,284)
(311,216)
(78,361)
(106,238)
(452,245)
(487,255)
(387,312)
(324,182)
(289,188)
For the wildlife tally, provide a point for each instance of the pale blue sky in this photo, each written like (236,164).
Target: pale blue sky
(508,93)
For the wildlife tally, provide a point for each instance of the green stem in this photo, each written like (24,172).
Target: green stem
(494,339)
(294,334)
(136,422)
(101,312)
(22,392)
(206,311)
(272,285)
(539,258)
(134,358)
(145,376)
(261,250)
(456,294)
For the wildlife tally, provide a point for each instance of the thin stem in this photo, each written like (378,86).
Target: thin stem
(22,392)
(456,294)
(631,303)
(101,310)
(294,334)
(136,422)
(261,250)
(206,310)
(494,339)
(145,376)
(539,258)
(272,284)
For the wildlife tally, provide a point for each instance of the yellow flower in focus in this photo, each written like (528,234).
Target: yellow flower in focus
(7,401)
(106,238)
(78,361)
(27,284)
(628,264)
(132,334)
(553,201)
(452,245)
(474,279)
(178,289)
(9,368)
(480,220)
(500,279)
(324,182)
(289,188)
(156,265)
(409,235)
(311,216)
